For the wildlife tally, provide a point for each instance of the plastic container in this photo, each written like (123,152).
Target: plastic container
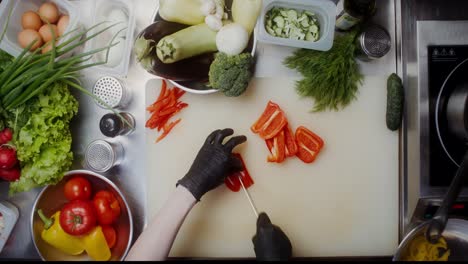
(112,12)
(325,10)
(10,41)
(9,214)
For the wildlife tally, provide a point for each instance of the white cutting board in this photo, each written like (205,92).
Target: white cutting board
(343,204)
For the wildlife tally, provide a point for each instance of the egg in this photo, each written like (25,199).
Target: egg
(47,47)
(31,20)
(48,32)
(63,24)
(49,13)
(27,36)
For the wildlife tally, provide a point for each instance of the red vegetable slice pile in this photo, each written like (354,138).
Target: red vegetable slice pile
(233,182)
(164,108)
(309,144)
(274,128)
(271,122)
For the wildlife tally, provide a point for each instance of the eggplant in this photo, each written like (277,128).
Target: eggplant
(191,69)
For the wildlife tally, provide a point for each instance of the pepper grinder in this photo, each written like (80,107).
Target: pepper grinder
(113,125)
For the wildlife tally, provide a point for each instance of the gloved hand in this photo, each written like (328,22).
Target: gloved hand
(270,242)
(213,163)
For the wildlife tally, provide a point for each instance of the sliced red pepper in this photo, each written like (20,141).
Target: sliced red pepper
(179,93)
(309,144)
(163,90)
(290,142)
(271,122)
(233,182)
(277,148)
(167,129)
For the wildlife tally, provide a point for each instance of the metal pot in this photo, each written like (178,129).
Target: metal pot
(455,231)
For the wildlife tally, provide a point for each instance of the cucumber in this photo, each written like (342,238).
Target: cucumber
(293,24)
(395,102)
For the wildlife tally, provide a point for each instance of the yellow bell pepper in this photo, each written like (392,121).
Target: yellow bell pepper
(94,243)
(55,236)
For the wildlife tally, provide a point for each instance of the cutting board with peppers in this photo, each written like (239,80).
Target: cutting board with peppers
(344,203)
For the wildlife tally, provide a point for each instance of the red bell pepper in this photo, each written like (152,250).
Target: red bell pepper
(233,182)
(277,148)
(271,122)
(309,144)
(290,142)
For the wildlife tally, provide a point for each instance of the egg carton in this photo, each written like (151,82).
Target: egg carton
(10,41)
(9,216)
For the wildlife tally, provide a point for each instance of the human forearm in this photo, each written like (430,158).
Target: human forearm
(156,241)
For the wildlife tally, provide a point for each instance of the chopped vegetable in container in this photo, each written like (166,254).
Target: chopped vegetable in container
(292,24)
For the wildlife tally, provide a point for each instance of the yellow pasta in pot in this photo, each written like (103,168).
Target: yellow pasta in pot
(422,250)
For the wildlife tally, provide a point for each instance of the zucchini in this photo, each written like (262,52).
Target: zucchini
(187,12)
(246,12)
(293,24)
(395,102)
(187,43)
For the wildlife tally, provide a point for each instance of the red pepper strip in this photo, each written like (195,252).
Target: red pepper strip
(271,122)
(179,93)
(163,90)
(233,182)
(277,148)
(309,144)
(172,98)
(161,95)
(167,129)
(290,142)
(168,111)
(164,121)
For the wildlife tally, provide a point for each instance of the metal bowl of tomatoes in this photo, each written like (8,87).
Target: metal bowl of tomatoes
(85,217)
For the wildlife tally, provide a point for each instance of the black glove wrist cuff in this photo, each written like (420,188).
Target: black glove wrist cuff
(191,187)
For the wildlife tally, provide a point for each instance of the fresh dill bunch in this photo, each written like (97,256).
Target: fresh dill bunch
(331,78)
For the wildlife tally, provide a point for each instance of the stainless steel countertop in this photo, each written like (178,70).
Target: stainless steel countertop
(130,175)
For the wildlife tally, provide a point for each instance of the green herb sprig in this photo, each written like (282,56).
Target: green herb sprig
(331,78)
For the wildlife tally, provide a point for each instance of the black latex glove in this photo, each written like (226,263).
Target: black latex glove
(213,163)
(270,242)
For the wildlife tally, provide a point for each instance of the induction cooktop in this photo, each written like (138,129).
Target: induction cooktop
(447,68)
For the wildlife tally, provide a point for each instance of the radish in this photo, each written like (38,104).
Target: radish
(7,157)
(6,136)
(10,175)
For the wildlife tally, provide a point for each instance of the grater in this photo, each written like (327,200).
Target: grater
(112,92)
(373,43)
(102,155)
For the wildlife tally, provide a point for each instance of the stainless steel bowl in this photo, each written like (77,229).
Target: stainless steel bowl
(200,87)
(455,233)
(51,199)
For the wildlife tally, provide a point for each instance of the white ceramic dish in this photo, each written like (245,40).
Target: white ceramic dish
(114,9)
(10,41)
(10,216)
(189,86)
(325,10)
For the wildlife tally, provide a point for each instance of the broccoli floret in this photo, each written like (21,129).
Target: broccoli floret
(231,74)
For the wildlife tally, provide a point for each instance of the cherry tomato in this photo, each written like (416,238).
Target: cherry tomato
(107,207)
(77,188)
(110,234)
(78,217)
